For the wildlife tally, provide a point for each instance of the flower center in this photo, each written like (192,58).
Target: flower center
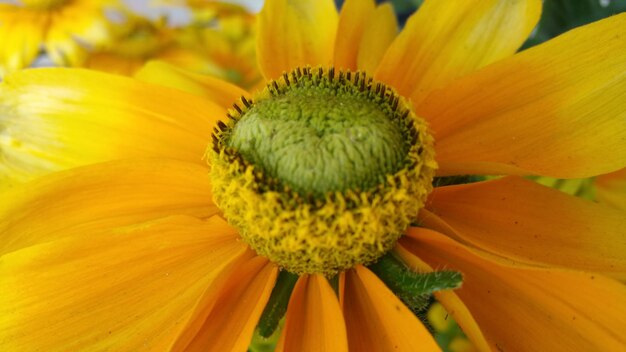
(318,139)
(323,171)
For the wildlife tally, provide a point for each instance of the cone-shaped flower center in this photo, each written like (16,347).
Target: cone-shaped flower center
(321,138)
(323,171)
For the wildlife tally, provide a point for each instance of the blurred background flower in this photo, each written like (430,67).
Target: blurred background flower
(119,36)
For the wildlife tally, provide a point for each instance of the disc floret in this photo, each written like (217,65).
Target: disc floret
(323,171)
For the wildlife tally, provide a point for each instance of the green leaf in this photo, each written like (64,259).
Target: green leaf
(413,288)
(560,16)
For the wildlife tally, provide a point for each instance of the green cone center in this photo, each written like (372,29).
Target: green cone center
(322,137)
(323,170)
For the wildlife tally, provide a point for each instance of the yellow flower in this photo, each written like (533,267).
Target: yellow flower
(133,255)
(64,28)
(220,44)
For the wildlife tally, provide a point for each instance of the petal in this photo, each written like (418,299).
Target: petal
(352,24)
(555,109)
(523,309)
(611,189)
(314,321)
(234,313)
(56,118)
(295,34)
(79,201)
(381,30)
(377,320)
(218,91)
(21,35)
(443,41)
(124,289)
(521,220)
(73,28)
(450,300)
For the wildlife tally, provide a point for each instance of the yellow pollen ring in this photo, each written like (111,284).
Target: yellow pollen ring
(306,235)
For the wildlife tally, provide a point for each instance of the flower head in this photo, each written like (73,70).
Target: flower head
(217,41)
(130,252)
(65,28)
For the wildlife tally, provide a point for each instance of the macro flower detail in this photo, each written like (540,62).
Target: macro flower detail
(323,171)
(118,236)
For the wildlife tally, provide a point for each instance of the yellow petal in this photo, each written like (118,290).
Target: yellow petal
(443,41)
(314,321)
(295,34)
(79,201)
(381,30)
(74,27)
(215,89)
(377,320)
(450,300)
(230,324)
(353,21)
(57,118)
(610,189)
(125,289)
(21,35)
(521,220)
(523,309)
(555,109)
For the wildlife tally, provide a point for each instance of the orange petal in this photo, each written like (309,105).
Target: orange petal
(443,41)
(233,315)
(610,189)
(218,91)
(450,300)
(352,23)
(126,289)
(79,201)
(521,220)
(295,34)
(523,309)
(314,321)
(57,118)
(381,30)
(377,320)
(555,109)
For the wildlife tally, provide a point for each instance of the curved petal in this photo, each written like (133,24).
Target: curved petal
(380,32)
(521,220)
(555,109)
(450,300)
(610,189)
(295,34)
(314,321)
(52,119)
(523,309)
(79,201)
(443,41)
(377,320)
(353,20)
(218,91)
(228,325)
(124,289)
